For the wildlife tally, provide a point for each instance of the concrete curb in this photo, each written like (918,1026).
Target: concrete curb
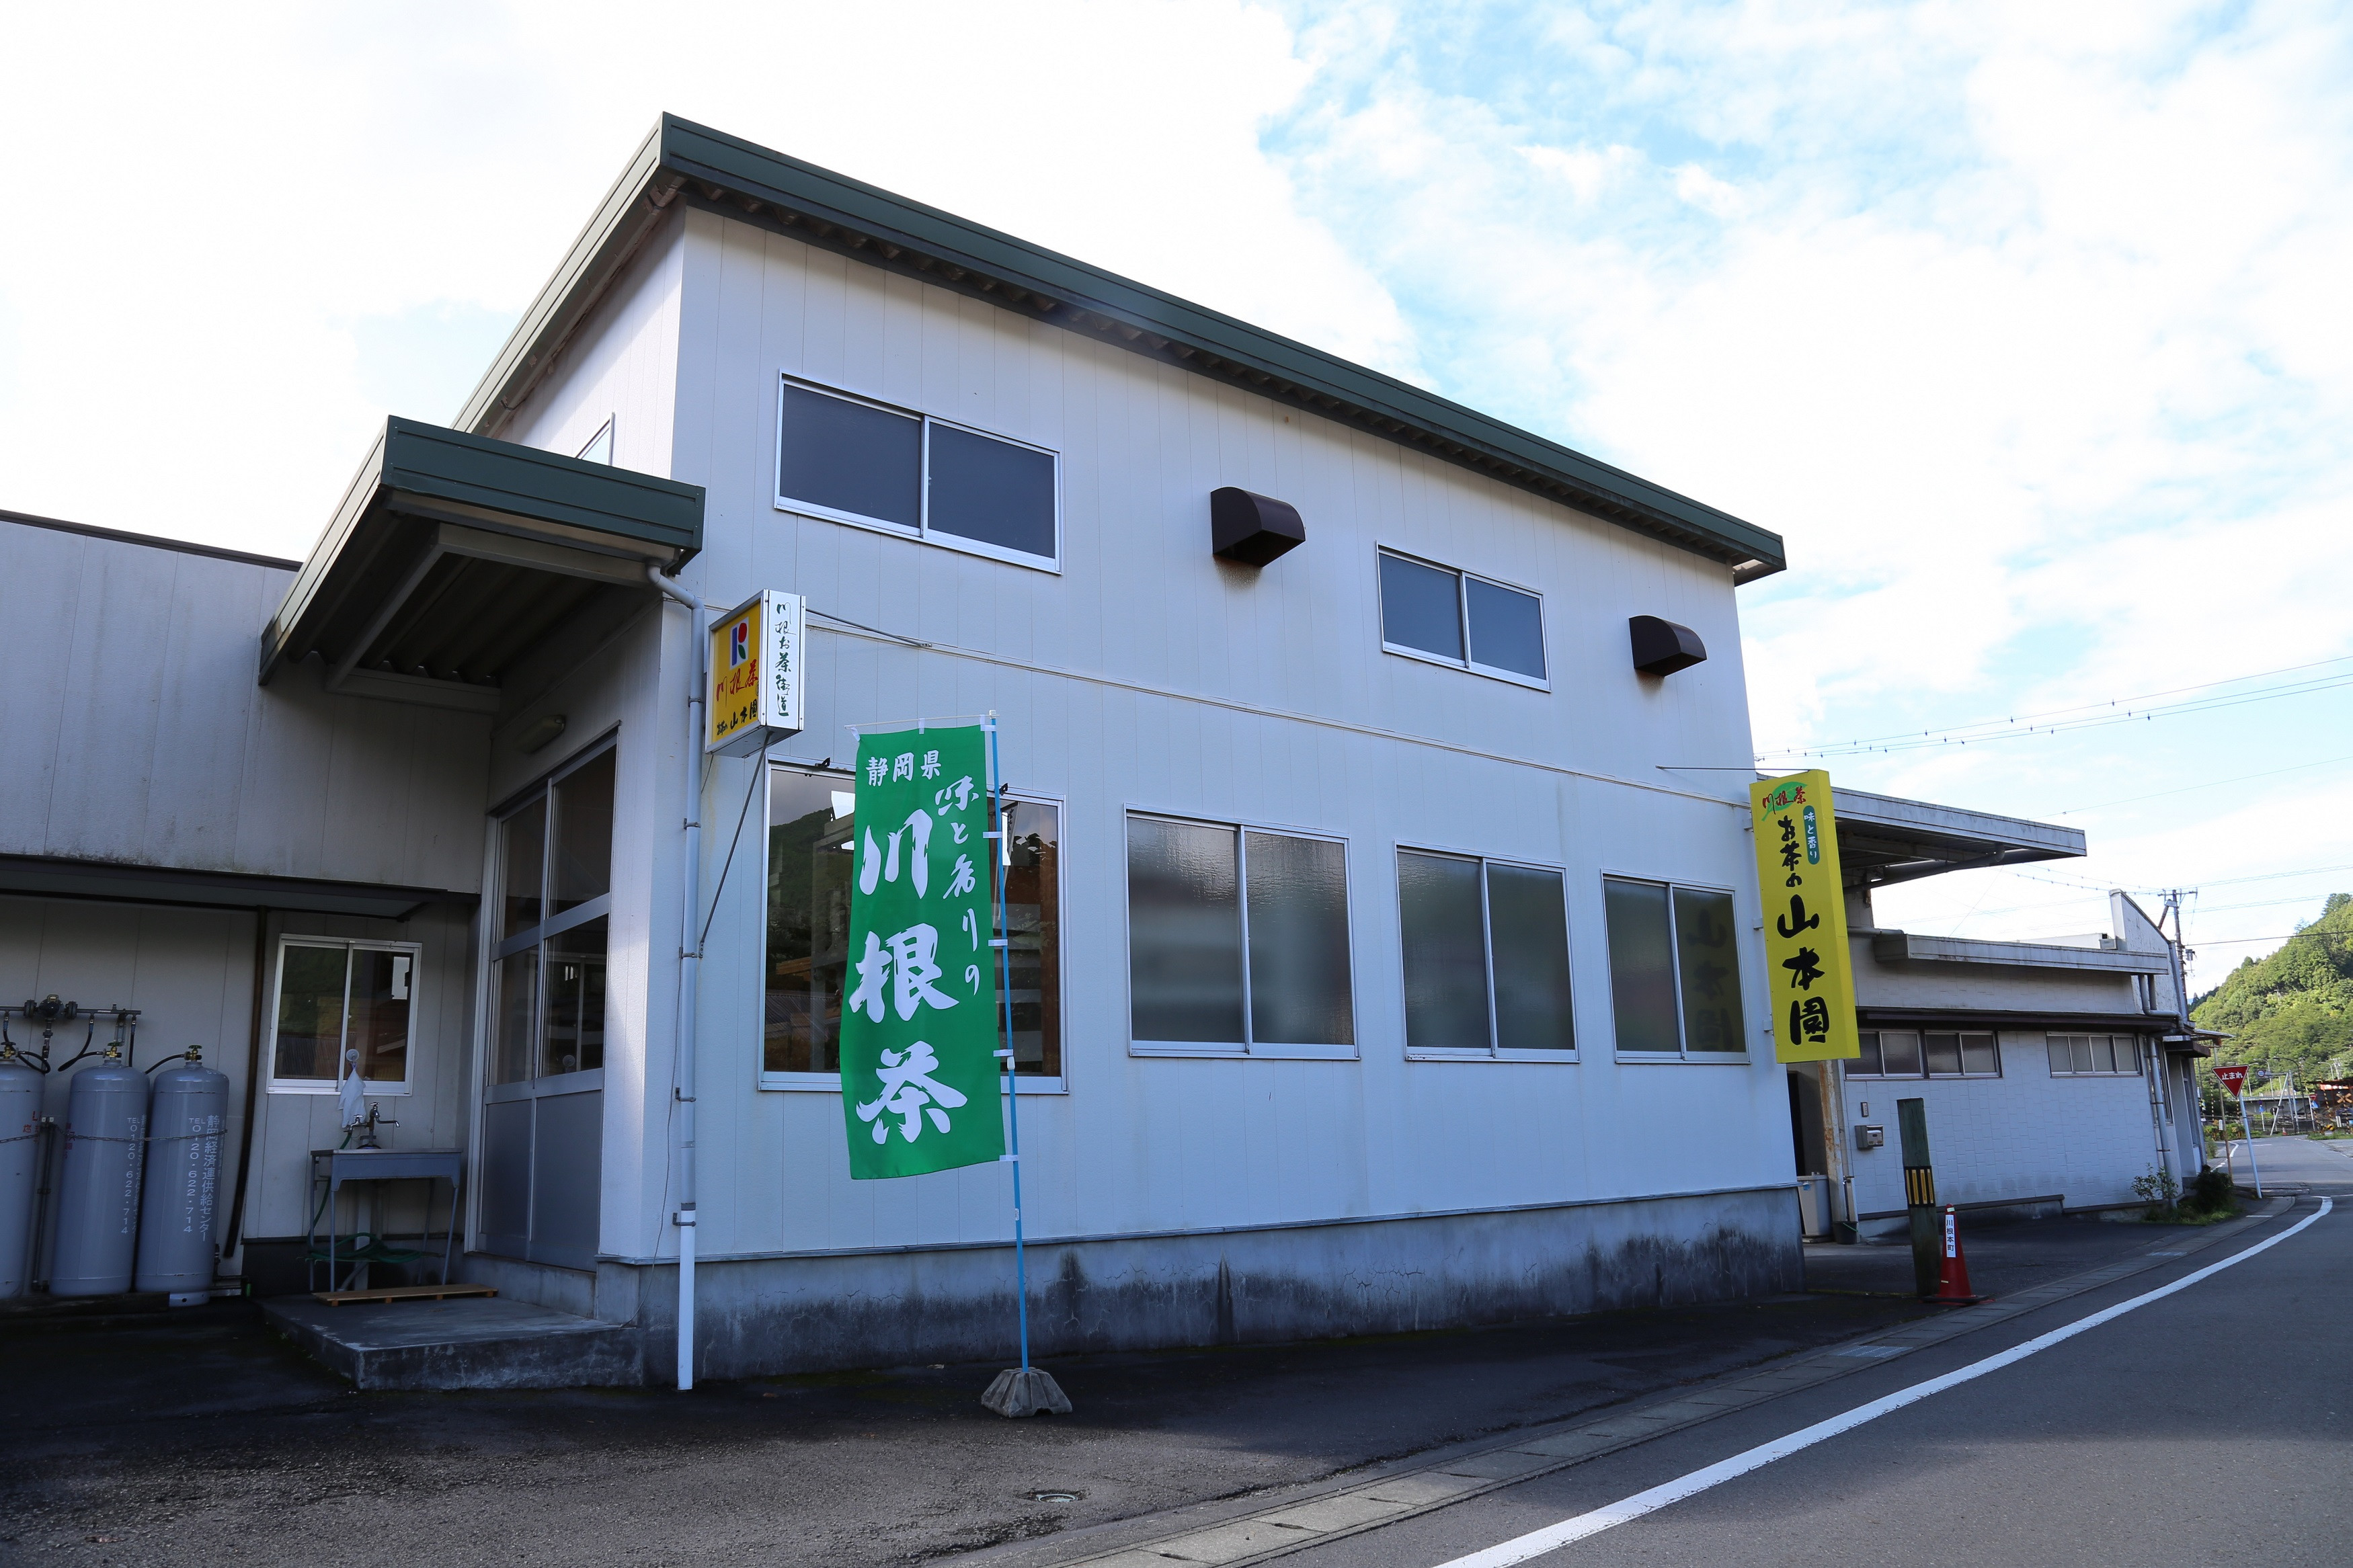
(1238,1534)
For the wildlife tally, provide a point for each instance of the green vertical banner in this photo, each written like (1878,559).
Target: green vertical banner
(919,1028)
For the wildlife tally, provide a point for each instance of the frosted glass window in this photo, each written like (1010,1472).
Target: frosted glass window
(1980,1055)
(852,457)
(1528,914)
(1708,958)
(1943,1052)
(1442,928)
(992,491)
(1642,966)
(335,997)
(1674,970)
(1299,984)
(1867,1064)
(1237,939)
(1507,627)
(1183,931)
(1899,1050)
(1486,951)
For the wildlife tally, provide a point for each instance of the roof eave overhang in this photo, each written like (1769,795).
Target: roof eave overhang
(427,501)
(706,168)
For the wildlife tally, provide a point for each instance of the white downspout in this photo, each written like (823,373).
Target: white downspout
(689,964)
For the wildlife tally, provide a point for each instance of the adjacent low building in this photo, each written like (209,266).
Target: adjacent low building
(2054,1073)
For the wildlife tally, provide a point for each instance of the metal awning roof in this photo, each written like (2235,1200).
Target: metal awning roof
(1883,839)
(452,555)
(689,164)
(63,877)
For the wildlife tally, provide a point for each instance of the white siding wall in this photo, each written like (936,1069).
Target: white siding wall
(1147,1144)
(2025,1135)
(136,732)
(621,366)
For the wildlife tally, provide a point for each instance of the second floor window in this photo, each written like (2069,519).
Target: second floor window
(1437,612)
(868,463)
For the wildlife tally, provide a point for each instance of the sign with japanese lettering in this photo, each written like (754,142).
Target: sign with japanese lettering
(2231,1075)
(920,1027)
(754,678)
(1811,970)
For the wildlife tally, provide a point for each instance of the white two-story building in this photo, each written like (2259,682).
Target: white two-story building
(1373,971)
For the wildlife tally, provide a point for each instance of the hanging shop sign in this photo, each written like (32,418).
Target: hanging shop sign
(1806,951)
(920,1028)
(755,682)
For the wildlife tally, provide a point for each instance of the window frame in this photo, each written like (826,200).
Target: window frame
(1495,1052)
(349,945)
(604,433)
(1462,578)
(1246,1049)
(2140,1054)
(923,532)
(1924,1075)
(830,1083)
(496,948)
(1741,1058)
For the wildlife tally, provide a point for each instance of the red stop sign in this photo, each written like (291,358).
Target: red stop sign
(2232,1076)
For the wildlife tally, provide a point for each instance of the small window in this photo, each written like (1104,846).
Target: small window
(1237,940)
(2095,1056)
(1674,970)
(337,998)
(599,448)
(1934,1053)
(1485,950)
(812,824)
(556,869)
(859,462)
(1438,613)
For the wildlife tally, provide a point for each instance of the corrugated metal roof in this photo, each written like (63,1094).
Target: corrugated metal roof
(682,160)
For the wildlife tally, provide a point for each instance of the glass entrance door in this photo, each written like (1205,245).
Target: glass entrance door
(543,1107)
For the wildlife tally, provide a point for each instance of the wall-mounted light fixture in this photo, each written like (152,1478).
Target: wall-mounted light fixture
(1662,647)
(1253,529)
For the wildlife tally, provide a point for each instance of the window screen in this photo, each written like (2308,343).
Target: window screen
(992,491)
(1421,607)
(850,458)
(1507,627)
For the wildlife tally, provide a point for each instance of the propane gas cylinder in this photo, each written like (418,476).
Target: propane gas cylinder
(20,1171)
(185,1118)
(98,1199)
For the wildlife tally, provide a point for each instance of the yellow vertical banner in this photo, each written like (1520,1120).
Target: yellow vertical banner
(1811,969)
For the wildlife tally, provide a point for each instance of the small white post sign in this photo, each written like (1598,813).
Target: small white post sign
(756,681)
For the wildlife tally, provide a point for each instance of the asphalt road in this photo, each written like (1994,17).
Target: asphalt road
(2214,1425)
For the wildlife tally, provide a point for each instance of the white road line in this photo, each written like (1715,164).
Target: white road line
(1552,1537)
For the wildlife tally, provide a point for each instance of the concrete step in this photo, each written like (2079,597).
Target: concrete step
(485,1343)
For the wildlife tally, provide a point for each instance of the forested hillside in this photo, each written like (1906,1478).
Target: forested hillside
(2292,1012)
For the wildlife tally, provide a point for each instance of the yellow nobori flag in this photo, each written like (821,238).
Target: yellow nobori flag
(1810,967)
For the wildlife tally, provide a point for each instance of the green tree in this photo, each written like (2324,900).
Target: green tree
(2292,1012)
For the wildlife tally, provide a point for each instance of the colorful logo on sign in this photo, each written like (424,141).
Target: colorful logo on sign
(1783,797)
(739,642)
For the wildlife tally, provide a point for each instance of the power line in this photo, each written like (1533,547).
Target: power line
(2210,784)
(2059,721)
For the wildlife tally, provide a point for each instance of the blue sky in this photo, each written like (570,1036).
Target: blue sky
(2022,322)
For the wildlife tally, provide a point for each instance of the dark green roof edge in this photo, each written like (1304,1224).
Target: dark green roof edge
(424,459)
(752,184)
(428,462)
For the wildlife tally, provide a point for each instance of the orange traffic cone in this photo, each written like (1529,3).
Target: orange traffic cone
(1953,1282)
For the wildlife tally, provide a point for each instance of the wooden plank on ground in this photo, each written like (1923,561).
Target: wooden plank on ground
(403,1293)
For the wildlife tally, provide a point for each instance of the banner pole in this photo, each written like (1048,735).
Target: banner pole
(1004,945)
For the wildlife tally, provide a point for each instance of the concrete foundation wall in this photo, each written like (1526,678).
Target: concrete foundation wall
(767,1316)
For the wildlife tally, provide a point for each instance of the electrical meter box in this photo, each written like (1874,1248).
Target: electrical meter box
(1869,1136)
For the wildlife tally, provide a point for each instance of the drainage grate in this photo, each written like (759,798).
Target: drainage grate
(1054,1497)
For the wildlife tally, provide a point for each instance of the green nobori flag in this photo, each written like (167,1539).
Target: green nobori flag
(918,1029)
